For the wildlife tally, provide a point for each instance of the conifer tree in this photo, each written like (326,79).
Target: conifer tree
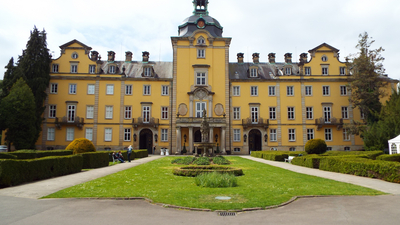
(9,78)
(18,109)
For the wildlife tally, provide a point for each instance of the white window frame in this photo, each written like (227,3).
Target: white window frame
(253,72)
(109,89)
(272,135)
(52,111)
(201,78)
(146,89)
(342,70)
(53,88)
(324,58)
(310,134)
(200,106)
(345,112)
(343,90)
(164,135)
(307,71)
(308,90)
(89,133)
(72,89)
(127,134)
(164,112)
(147,71)
(272,113)
(291,113)
(271,90)
(253,90)
(89,112)
(309,113)
(201,41)
(146,114)
(74,68)
(70,134)
(236,135)
(236,113)
(112,69)
(326,91)
(236,90)
(107,134)
(346,134)
(292,134)
(54,68)
(165,90)
(51,133)
(324,70)
(327,112)
(201,53)
(71,113)
(288,71)
(328,134)
(255,114)
(128,89)
(91,89)
(92,69)
(128,112)
(290,90)
(109,112)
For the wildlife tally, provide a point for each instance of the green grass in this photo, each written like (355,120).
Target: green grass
(261,186)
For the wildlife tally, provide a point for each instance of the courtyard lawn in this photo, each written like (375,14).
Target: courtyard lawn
(260,186)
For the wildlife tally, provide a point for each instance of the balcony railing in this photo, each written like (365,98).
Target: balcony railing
(63,121)
(320,122)
(151,122)
(210,120)
(249,122)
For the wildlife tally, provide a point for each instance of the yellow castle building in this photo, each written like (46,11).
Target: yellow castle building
(159,105)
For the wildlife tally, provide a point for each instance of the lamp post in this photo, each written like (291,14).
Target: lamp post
(245,137)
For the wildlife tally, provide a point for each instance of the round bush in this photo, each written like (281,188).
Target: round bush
(81,145)
(315,146)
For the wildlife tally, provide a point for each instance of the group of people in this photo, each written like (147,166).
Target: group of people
(118,156)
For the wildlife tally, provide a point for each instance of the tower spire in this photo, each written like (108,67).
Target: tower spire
(200,7)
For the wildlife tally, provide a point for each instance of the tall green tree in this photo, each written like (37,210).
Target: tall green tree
(34,67)
(366,82)
(18,114)
(9,78)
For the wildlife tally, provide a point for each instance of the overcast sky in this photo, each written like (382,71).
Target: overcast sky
(261,26)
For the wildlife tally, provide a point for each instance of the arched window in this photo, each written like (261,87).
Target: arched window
(201,41)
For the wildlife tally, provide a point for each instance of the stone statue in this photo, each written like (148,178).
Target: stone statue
(204,128)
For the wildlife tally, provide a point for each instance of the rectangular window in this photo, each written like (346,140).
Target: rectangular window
(146,89)
(52,111)
(236,113)
(200,78)
(164,113)
(254,90)
(92,69)
(127,134)
(347,148)
(72,89)
(146,114)
(200,106)
(272,113)
(308,90)
(109,112)
(53,88)
(342,70)
(253,72)
(271,90)
(309,113)
(71,113)
(164,90)
(128,89)
(328,149)
(325,71)
(74,68)
(236,149)
(128,112)
(328,134)
(236,135)
(147,72)
(254,115)
(343,90)
(288,71)
(307,71)
(107,134)
(90,89)
(89,111)
(110,89)
(325,91)
(51,133)
(310,134)
(272,135)
(290,111)
(201,53)
(164,134)
(55,68)
(292,134)
(327,114)
(89,134)
(345,112)
(346,134)
(70,134)
(111,69)
(289,90)
(236,90)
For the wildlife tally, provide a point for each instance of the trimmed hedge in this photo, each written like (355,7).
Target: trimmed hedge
(388,171)
(192,171)
(368,154)
(92,160)
(276,155)
(33,154)
(14,172)
(311,161)
(7,156)
(81,145)
(392,158)
(315,146)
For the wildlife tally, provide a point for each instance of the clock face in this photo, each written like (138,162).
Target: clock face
(200,24)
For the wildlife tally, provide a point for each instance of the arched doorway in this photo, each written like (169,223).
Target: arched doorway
(254,140)
(146,140)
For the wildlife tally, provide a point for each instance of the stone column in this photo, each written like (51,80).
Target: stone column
(223,140)
(210,104)
(191,106)
(178,140)
(191,140)
(211,137)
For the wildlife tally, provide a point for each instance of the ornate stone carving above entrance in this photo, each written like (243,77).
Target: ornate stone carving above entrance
(200,94)
(182,110)
(219,109)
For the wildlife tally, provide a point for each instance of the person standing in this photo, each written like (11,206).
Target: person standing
(129,152)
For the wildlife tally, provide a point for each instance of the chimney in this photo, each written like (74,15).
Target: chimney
(240,57)
(145,56)
(94,55)
(111,56)
(128,56)
(303,57)
(288,58)
(271,57)
(256,58)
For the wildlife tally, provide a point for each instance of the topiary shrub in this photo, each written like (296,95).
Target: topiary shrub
(315,146)
(81,145)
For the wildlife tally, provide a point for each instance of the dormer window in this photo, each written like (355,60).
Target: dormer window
(201,41)
(288,71)
(253,72)
(147,71)
(111,69)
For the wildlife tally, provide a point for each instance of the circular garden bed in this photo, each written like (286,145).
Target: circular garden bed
(192,171)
